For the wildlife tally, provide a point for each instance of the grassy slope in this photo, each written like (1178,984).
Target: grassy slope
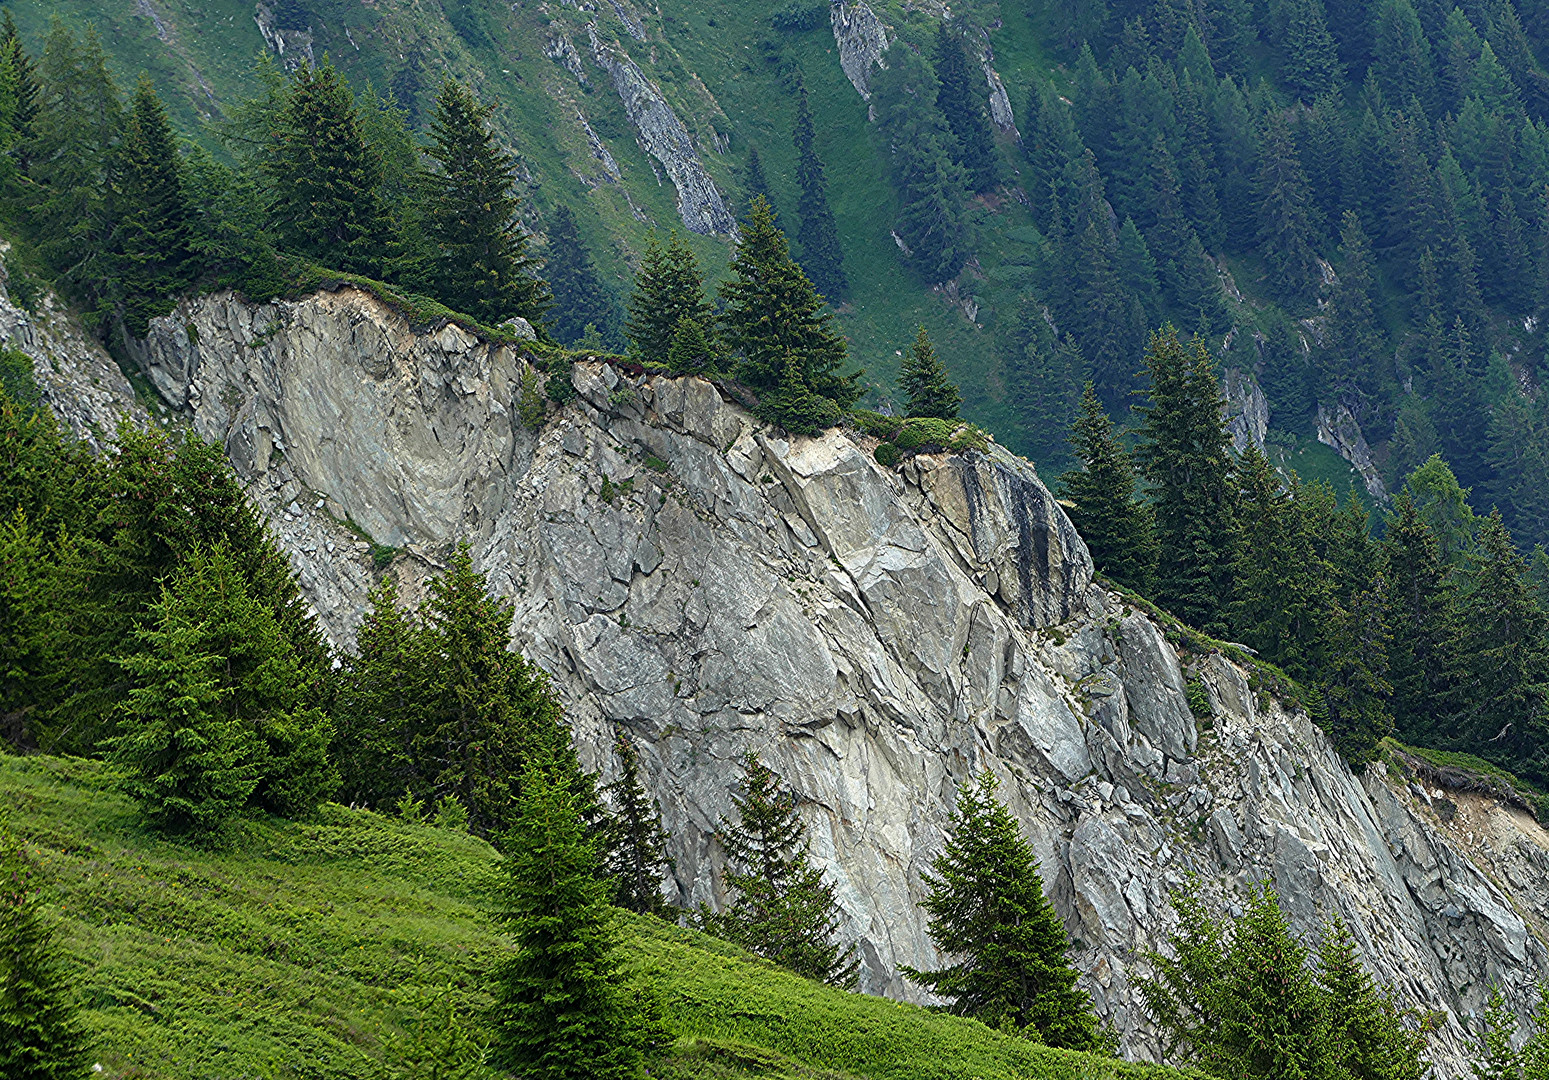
(303,949)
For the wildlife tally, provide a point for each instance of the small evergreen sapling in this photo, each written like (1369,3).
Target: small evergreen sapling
(636,853)
(783,909)
(668,289)
(923,382)
(562,1011)
(40,1035)
(987,907)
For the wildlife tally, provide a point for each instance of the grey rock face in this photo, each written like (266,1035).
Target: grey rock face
(877,635)
(1338,428)
(663,136)
(1247,410)
(862,39)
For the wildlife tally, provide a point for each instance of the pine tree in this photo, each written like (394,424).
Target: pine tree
(1185,454)
(562,1011)
(692,352)
(1367,1029)
(382,700)
(1499,1058)
(20,86)
(1117,527)
(987,907)
(1286,214)
(924,384)
(580,299)
(1402,55)
(151,240)
(1422,609)
(757,183)
(41,1037)
(774,318)
(1443,505)
(324,178)
(1356,367)
(1462,421)
(636,853)
(1312,60)
(668,290)
(1355,688)
(818,235)
(962,102)
(783,909)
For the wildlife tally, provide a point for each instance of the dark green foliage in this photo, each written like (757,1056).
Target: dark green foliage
(19,92)
(924,385)
(963,102)
(1422,606)
(757,183)
(1117,527)
(774,320)
(1287,218)
(635,856)
(987,907)
(668,290)
(580,299)
(478,262)
(1312,61)
(562,1011)
(816,232)
(41,1037)
(151,240)
(1356,366)
(1372,1037)
(1355,688)
(324,178)
(1185,455)
(692,352)
(782,908)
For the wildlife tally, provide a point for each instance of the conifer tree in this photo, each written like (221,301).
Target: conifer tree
(1371,1035)
(692,352)
(757,183)
(783,910)
(790,352)
(988,909)
(562,1011)
(636,853)
(324,177)
(1423,613)
(41,1037)
(962,101)
(816,232)
(1356,368)
(151,241)
(668,290)
(580,299)
(1185,454)
(924,385)
(479,263)
(19,83)
(1117,527)
(1312,59)
(1286,215)
(380,701)
(1355,688)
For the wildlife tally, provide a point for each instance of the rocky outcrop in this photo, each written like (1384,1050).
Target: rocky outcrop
(1337,428)
(1000,101)
(877,635)
(862,39)
(1247,409)
(293,47)
(665,138)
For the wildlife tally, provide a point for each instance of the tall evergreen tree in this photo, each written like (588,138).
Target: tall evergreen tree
(782,909)
(635,856)
(816,232)
(151,241)
(773,317)
(1372,1037)
(1355,687)
(478,262)
(988,909)
(19,83)
(924,385)
(41,1037)
(1117,527)
(1185,454)
(1286,213)
(669,290)
(380,695)
(1401,55)
(1356,368)
(963,103)
(1423,615)
(1311,58)
(757,183)
(324,177)
(562,1010)
(580,299)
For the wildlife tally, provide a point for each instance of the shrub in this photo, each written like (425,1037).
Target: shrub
(887,455)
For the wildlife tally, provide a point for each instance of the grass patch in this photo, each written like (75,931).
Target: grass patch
(306,949)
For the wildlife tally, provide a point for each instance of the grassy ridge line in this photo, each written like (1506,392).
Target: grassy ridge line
(303,950)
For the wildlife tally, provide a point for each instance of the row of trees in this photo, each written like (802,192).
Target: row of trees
(1439,628)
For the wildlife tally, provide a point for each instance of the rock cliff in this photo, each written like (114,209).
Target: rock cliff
(712,586)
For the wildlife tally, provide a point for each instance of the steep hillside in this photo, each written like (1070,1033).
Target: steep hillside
(875,634)
(317,950)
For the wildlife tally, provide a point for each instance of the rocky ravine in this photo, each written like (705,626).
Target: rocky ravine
(876,634)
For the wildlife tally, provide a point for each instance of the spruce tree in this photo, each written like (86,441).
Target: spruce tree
(151,240)
(1185,454)
(1117,527)
(782,908)
(1371,1035)
(692,352)
(562,1011)
(41,1037)
(479,263)
(1355,687)
(924,385)
(963,102)
(987,908)
(1312,59)
(1357,368)
(382,699)
(816,231)
(324,177)
(790,353)
(20,75)
(1286,214)
(580,299)
(1422,603)
(669,289)
(636,853)
(757,183)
